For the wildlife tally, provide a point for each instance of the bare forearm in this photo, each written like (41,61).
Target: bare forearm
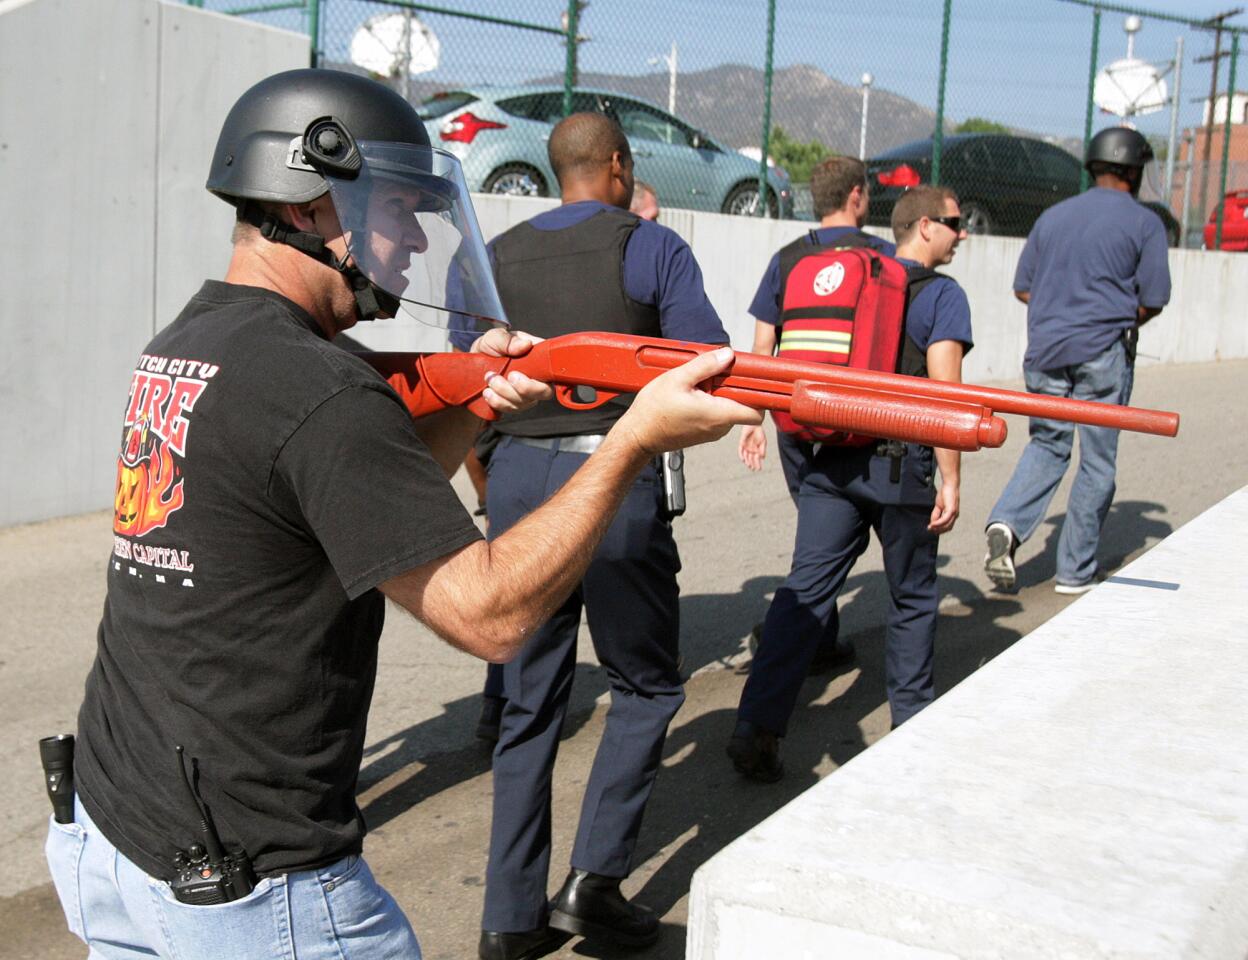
(764,338)
(950,464)
(489,597)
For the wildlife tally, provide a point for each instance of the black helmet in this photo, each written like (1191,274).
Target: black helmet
(406,217)
(265,128)
(1120,146)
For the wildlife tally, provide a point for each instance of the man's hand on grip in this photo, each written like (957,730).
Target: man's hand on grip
(515,391)
(671,412)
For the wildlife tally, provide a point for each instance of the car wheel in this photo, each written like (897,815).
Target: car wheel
(975,218)
(742,200)
(516,180)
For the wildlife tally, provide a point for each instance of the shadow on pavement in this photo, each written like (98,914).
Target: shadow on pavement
(701,804)
(1131,526)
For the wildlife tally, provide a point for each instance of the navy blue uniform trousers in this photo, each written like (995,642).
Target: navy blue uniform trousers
(630,598)
(796,457)
(845,494)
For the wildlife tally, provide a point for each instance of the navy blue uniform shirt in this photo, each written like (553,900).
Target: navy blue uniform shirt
(1090,262)
(659,271)
(766,303)
(939,312)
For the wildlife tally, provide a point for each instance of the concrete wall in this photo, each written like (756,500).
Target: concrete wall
(108,116)
(1082,795)
(1207,318)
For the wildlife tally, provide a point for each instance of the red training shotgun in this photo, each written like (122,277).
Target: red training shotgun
(955,416)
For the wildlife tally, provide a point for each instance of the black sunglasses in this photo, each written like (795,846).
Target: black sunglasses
(953,223)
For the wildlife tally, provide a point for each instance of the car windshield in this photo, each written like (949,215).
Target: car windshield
(440,104)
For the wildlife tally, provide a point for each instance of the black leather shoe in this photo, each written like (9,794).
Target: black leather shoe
(592,906)
(755,753)
(491,718)
(526,945)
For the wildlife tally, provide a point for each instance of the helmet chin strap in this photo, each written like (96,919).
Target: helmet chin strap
(370,299)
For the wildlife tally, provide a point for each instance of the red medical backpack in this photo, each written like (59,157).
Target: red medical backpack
(842,303)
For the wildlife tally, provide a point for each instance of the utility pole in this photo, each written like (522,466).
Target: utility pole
(570,21)
(1215,23)
(1173,141)
(670,60)
(867,80)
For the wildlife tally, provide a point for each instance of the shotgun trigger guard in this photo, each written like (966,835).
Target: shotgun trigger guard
(566,396)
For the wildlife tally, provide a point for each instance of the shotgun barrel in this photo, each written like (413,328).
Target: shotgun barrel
(892,406)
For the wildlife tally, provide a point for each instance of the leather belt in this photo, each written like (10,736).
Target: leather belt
(583,444)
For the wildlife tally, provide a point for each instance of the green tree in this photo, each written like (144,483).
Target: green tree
(796,157)
(980,125)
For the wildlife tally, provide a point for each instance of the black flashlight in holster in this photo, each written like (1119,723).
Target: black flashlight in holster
(57,755)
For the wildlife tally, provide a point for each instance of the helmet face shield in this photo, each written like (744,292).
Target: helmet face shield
(411,230)
(1151,187)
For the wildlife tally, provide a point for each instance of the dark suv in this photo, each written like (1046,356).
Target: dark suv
(1003,182)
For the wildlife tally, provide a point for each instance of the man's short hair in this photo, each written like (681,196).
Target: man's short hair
(917,203)
(832,181)
(582,143)
(640,187)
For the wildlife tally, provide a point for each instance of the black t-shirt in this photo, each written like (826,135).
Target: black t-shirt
(267,482)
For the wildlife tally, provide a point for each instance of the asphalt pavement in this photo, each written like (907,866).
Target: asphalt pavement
(425,784)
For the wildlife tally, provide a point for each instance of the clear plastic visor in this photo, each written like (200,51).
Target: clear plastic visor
(1151,187)
(410,227)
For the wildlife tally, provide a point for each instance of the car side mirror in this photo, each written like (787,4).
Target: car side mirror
(697,140)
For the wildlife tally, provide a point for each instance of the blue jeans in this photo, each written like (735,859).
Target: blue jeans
(1022,505)
(120,913)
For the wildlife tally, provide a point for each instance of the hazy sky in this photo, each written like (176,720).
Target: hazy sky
(1021,62)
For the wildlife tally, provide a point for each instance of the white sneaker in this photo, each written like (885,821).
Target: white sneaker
(999,562)
(1073,589)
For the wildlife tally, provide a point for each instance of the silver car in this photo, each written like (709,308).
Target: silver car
(500,134)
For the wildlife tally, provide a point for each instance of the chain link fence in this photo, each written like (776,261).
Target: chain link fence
(992,99)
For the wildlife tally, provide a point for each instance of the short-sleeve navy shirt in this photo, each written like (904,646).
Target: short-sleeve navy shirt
(940,311)
(766,303)
(1090,262)
(659,271)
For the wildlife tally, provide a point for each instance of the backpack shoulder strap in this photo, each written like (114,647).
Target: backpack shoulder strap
(857,239)
(917,278)
(910,359)
(789,254)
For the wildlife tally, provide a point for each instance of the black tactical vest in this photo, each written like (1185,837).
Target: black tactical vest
(553,282)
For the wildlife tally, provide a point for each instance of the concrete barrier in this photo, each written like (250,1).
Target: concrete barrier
(1084,795)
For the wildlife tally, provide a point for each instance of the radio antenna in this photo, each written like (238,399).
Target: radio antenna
(212,843)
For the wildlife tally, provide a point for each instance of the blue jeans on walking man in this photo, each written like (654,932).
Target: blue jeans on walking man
(1022,506)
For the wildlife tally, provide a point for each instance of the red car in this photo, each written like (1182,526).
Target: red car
(1234,223)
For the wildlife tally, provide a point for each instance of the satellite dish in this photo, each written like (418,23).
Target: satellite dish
(395,45)
(1130,88)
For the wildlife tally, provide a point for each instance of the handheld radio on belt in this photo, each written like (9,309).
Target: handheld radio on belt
(206,873)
